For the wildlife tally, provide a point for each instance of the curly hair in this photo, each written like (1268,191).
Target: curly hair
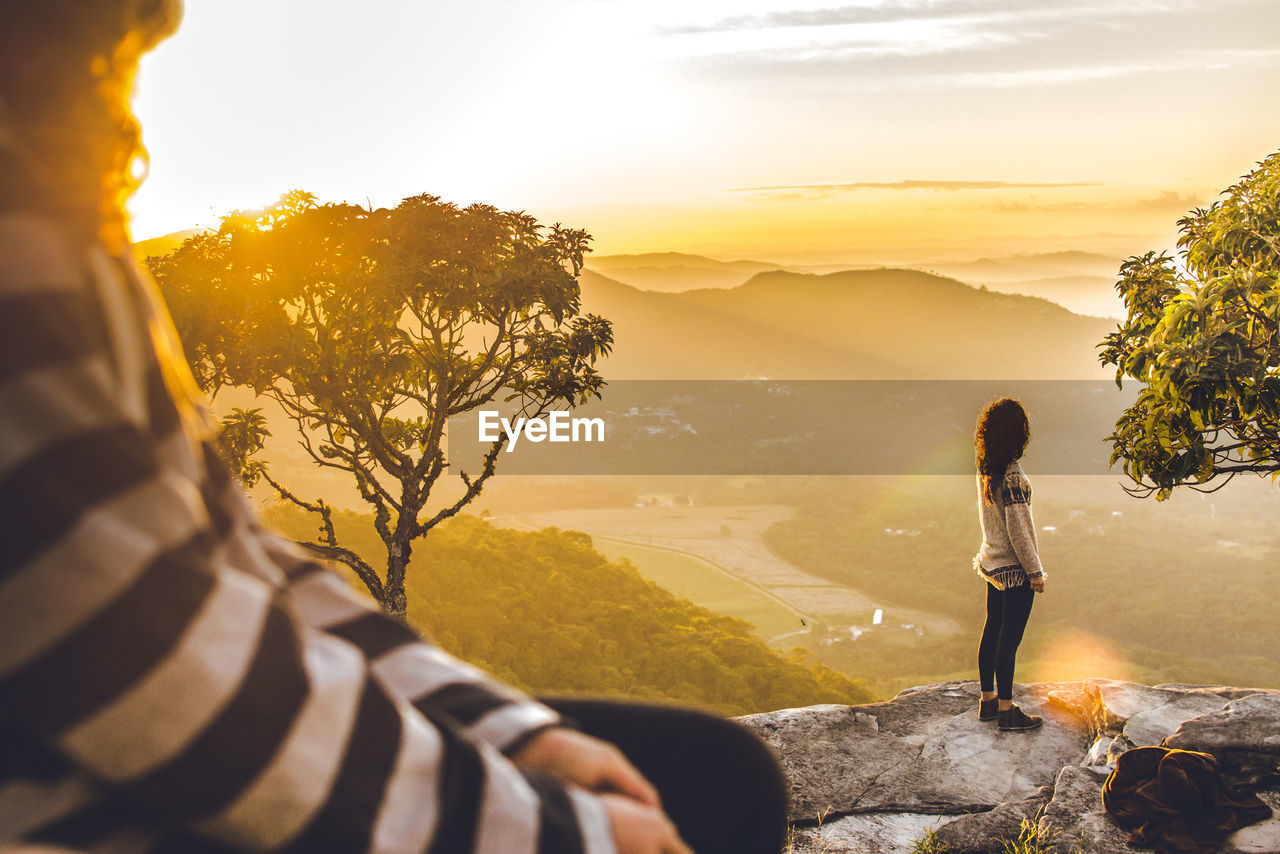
(69,142)
(1002,435)
(68,138)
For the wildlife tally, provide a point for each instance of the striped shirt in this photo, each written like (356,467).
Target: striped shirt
(1009,554)
(174,677)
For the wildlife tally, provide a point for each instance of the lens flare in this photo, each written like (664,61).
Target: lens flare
(1075,655)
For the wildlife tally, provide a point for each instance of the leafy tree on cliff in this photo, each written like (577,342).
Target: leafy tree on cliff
(370,328)
(1202,336)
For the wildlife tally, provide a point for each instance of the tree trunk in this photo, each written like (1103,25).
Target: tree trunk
(396,603)
(394,600)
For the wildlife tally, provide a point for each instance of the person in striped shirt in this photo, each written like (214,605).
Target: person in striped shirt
(176,678)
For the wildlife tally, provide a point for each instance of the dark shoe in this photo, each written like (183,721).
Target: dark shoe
(988,709)
(1014,719)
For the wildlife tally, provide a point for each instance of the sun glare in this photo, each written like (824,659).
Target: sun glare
(1074,655)
(636,121)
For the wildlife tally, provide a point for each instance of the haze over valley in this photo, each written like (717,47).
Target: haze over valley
(871,575)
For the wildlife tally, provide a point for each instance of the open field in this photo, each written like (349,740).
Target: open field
(700,581)
(716,557)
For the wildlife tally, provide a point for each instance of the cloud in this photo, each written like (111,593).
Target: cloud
(1169,201)
(1041,207)
(797,192)
(945,45)
(900,68)
(1166,202)
(895,11)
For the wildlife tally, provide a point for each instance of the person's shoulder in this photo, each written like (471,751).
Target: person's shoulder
(1015,489)
(37,255)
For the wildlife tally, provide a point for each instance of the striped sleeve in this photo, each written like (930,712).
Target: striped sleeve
(181,684)
(409,667)
(413,670)
(1016,497)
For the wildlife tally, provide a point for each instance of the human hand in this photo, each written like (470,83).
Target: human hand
(1037,584)
(595,765)
(642,829)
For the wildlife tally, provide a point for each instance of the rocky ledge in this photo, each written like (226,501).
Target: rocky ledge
(876,778)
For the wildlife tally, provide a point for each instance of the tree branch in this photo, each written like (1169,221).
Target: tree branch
(329,548)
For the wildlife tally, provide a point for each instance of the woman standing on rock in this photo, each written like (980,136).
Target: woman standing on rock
(1008,560)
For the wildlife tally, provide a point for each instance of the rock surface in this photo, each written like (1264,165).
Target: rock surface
(977,832)
(1100,751)
(1074,821)
(1077,823)
(1260,838)
(1244,735)
(880,832)
(1153,726)
(925,751)
(874,779)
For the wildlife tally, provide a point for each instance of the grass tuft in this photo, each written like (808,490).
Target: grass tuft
(929,844)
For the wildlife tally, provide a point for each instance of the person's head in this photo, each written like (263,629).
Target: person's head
(1002,436)
(69,144)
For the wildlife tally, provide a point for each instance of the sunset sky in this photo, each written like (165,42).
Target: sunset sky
(786,131)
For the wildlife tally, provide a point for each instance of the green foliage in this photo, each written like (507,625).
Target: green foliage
(929,844)
(370,328)
(548,613)
(1032,839)
(1201,337)
(570,621)
(241,435)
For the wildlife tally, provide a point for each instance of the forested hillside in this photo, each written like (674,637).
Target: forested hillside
(548,613)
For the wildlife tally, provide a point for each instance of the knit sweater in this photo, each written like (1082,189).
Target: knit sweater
(1009,554)
(175,677)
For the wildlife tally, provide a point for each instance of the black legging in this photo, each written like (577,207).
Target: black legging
(718,782)
(1007,613)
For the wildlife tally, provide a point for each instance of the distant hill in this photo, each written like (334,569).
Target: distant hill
(1090,295)
(1044,265)
(162,245)
(861,324)
(677,271)
(1082,282)
(677,259)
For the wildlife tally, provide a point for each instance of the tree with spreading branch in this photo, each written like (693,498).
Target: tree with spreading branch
(370,329)
(1202,336)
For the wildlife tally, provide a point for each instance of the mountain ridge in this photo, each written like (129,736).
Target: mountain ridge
(857,324)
